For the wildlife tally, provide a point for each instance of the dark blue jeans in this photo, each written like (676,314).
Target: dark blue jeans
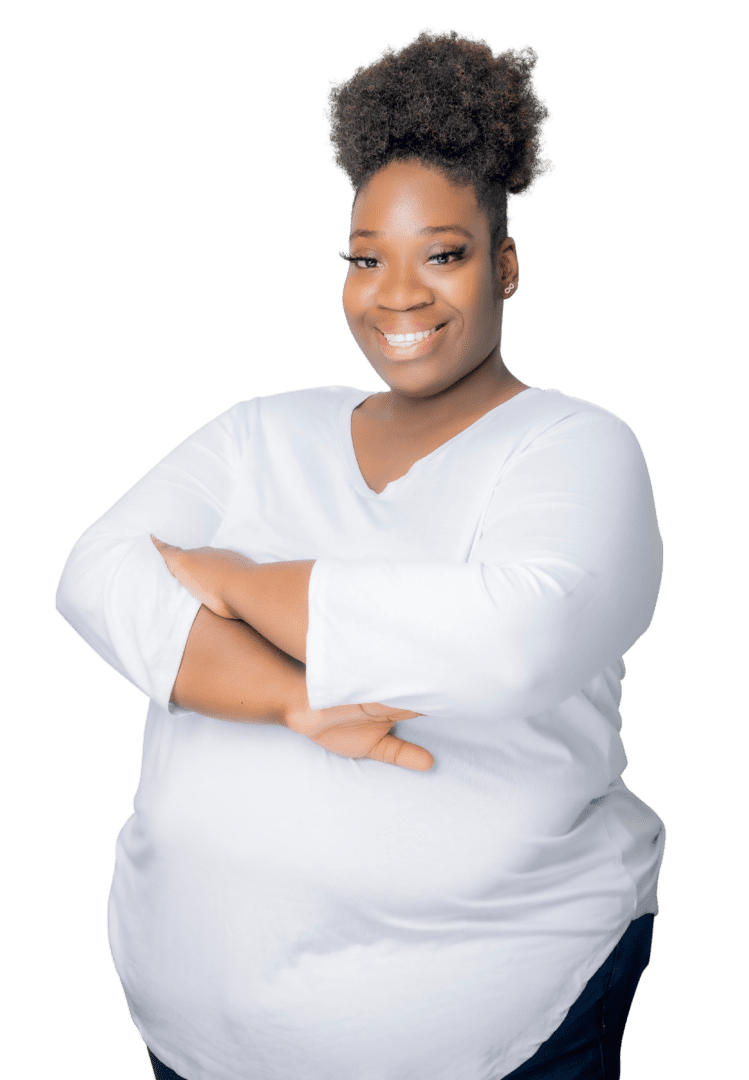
(587,1044)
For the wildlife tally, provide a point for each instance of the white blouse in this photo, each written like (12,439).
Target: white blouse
(278,911)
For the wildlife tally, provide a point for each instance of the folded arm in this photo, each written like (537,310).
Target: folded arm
(115,589)
(561,583)
(231,672)
(117,592)
(271,597)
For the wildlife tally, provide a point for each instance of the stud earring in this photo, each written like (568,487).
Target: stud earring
(509,288)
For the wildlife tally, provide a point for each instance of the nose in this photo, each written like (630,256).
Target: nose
(400,288)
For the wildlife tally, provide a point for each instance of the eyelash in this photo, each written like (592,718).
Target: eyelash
(458,252)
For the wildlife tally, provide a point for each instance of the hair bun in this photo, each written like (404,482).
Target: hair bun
(447,100)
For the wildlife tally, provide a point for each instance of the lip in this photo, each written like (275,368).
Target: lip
(416,328)
(419,348)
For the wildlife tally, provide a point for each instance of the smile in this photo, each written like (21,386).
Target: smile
(409,345)
(408,339)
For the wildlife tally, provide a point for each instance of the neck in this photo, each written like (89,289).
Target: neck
(482,389)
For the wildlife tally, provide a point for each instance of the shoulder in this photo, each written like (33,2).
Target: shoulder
(297,413)
(557,431)
(556,415)
(572,439)
(556,406)
(287,407)
(307,404)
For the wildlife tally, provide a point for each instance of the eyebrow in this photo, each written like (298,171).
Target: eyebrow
(428,229)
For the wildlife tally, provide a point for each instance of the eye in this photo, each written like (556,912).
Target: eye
(452,254)
(457,252)
(359,259)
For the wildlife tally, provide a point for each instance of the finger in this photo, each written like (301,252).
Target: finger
(376,708)
(395,751)
(167,552)
(162,544)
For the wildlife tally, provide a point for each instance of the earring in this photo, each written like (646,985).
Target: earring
(509,288)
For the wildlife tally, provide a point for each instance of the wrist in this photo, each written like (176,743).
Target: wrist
(296,700)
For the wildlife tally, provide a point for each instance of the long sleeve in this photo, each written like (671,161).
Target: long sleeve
(562,581)
(115,588)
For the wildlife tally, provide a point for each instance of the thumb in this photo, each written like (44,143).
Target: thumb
(395,751)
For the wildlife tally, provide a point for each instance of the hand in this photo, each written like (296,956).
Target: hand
(204,572)
(360,731)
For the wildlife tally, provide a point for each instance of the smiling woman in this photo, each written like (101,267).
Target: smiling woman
(463,555)
(421,287)
(427,315)
(433,138)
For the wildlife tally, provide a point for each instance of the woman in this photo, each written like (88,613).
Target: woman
(463,554)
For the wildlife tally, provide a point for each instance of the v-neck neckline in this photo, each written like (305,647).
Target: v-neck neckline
(348,453)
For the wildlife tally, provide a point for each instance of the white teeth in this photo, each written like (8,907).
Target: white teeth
(408,339)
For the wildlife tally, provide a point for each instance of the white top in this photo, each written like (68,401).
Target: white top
(278,911)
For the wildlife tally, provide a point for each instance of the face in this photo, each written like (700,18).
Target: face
(422,267)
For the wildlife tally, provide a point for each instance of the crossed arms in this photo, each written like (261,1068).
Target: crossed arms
(562,581)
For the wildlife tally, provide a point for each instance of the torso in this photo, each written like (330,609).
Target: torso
(386,450)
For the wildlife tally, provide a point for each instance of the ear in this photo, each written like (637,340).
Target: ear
(508,273)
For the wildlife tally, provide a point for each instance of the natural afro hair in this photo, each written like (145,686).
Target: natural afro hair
(448,102)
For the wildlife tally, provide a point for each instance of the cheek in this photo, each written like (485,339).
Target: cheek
(351,300)
(484,300)
(474,300)
(355,306)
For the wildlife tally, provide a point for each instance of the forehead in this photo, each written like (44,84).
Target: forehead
(405,197)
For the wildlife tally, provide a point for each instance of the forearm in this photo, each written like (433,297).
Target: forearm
(272,598)
(232,672)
